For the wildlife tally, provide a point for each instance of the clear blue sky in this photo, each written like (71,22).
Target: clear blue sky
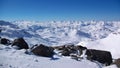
(46,10)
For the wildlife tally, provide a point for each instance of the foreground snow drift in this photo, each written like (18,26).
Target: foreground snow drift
(11,58)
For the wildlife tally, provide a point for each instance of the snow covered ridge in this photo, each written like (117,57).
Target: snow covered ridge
(12,58)
(104,36)
(88,29)
(59,32)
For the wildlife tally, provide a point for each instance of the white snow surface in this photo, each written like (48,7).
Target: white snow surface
(111,43)
(11,58)
(101,35)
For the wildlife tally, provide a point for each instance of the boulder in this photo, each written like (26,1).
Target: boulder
(4,41)
(20,43)
(42,50)
(103,57)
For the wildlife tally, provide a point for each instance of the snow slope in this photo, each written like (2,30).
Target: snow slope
(11,58)
(111,43)
(100,35)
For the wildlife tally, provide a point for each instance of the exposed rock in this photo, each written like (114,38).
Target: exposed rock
(117,62)
(4,41)
(103,57)
(20,43)
(42,50)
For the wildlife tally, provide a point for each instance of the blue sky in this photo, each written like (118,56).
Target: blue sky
(47,10)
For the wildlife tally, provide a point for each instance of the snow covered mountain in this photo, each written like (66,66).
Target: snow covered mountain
(102,35)
(59,32)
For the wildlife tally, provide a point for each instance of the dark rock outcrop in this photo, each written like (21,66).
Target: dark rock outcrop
(117,62)
(103,57)
(20,43)
(65,50)
(0,30)
(42,50)
(4,41)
